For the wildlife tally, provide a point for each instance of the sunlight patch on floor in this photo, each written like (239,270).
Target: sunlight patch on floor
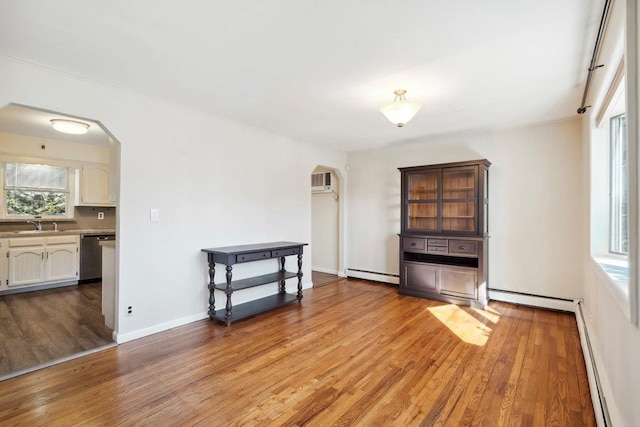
(488,313)
(462,324)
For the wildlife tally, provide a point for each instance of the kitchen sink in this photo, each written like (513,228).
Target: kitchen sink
(36,231)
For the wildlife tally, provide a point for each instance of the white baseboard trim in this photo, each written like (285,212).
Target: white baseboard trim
(600,390)
(372,275)
(532,300)
(325,270)
(140,333)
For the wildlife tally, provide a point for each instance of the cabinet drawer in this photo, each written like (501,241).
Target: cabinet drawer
(413,244)
(463,247)
(253,256)
(285,252)
(437,249)
(26,241)
(437,242)
(59,240)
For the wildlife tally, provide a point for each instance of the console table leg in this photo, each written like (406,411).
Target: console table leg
(282,288)
(212,298)
(299,277)
(229,291)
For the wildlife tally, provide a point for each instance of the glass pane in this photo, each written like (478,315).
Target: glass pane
(31,203)
(618,201)
(458,184)
(423,186)
(423,216)
(26,175)
(458,216)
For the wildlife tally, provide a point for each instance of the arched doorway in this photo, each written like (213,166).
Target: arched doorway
(326,189)
(57,312)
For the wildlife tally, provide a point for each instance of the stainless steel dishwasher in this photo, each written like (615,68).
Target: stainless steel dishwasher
(91,255)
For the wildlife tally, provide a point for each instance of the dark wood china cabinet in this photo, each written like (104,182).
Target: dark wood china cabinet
(444,238)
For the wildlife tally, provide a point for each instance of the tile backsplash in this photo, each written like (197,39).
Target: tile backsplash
(85,217)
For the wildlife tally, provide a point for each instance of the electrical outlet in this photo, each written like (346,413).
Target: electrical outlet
(129,311)
(100,215)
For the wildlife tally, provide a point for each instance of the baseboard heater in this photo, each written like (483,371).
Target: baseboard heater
(376,276)
(551,303)
(595,385)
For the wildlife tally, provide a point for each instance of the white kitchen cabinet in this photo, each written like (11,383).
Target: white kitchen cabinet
(94,188)
(42,260)
(61,259)
(26,266)
(4,265)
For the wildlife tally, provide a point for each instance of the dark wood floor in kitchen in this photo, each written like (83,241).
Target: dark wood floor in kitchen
(352,353)
(43,326)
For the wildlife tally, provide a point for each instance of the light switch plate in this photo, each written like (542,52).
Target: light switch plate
(154,214)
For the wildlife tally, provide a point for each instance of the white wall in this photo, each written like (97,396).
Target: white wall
(325,225)
(32,147)
(615,339)
(535,204)
(324,232)
(212,180)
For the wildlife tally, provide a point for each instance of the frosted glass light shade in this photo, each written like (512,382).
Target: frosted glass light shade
(70,126)
(400,111)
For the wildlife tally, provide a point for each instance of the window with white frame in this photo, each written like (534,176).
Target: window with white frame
(36,191)
(609,186)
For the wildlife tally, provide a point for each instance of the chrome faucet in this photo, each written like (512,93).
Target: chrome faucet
(37,225)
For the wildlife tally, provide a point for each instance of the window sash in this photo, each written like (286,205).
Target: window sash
(618,186)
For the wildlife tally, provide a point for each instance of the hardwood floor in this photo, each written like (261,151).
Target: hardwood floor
(42,326)
(352,353)
(320,279)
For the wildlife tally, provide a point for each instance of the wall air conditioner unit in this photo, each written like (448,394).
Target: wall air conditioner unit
(321,182)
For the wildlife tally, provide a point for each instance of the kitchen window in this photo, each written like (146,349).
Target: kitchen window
(37,191)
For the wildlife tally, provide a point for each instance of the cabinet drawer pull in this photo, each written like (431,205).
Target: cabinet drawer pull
(462,248)
(413,243)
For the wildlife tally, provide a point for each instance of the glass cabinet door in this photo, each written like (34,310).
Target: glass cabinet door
(422,201)
(459,200)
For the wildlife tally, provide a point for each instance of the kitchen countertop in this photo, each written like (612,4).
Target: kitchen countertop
(8,234)
(108,243)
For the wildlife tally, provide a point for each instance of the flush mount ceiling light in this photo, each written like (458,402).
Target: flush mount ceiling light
(400,111)
(70,126)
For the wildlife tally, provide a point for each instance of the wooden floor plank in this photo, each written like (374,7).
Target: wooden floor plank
(352,353)
(42,326)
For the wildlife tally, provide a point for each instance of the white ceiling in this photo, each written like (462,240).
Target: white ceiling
(23,120)
(318,71)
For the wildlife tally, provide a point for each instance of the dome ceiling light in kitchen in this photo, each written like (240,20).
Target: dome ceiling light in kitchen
(70,126)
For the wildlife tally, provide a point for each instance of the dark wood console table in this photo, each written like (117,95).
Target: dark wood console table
(231,255)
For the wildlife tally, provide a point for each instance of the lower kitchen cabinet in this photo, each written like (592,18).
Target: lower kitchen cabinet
(41,260)
(4,265)
(26,266)
(61,262)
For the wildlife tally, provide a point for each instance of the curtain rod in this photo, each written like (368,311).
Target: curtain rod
(592,66)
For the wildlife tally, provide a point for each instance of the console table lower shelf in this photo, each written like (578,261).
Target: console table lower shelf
(231,255)
(251,308)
